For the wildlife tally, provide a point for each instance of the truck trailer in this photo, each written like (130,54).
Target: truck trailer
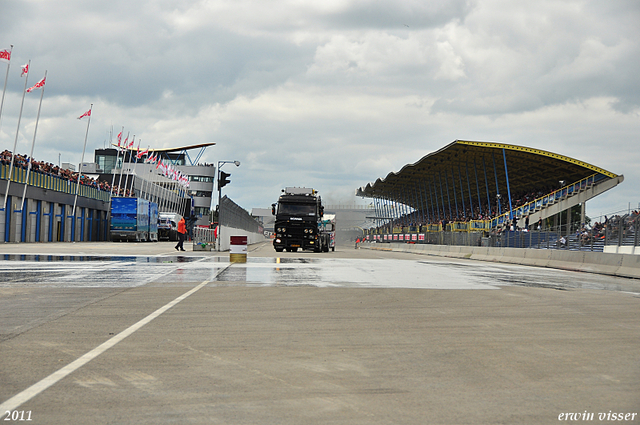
(133,219)
(298,221)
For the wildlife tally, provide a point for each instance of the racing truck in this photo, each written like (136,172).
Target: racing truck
(299,213)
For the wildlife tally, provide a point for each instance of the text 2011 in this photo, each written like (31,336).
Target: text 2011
(17,415)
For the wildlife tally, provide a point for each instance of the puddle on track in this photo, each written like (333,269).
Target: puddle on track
(131,271)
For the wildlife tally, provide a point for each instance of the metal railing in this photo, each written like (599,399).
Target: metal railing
(616,231)
(50,182)
(203,238)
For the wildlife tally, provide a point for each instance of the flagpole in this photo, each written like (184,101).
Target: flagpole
(156,189)
(144,175)
(75,200)
(124,157)
(33,143)
(115,166)
(151,187)
(126,179)
(135,172)
(160,186)
(15,143)
(5,83)
(156,182)
(111,144)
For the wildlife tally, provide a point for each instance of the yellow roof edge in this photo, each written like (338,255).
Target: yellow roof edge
(539,152)
(170,150)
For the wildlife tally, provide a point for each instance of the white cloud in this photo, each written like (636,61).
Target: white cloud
(332,94)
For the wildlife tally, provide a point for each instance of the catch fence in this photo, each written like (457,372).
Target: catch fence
(617,231)
(234,216)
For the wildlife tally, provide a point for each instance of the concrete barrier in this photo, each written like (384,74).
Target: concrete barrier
(624,265)
(630,264)
(252,238)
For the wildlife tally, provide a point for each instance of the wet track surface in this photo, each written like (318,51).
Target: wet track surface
(130,271)
(352,336)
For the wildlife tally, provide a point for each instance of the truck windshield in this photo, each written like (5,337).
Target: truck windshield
(297,209)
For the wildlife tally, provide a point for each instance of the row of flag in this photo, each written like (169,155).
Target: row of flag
(165,167)
(5,56)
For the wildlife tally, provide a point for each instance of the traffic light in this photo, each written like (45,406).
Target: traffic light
(223,180)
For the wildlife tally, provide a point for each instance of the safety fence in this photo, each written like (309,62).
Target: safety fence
(618,231)
(49,182)
(234,216)
(236,221)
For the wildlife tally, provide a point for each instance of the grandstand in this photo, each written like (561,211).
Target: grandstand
(471,186)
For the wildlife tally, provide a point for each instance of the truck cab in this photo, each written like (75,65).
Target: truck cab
(168,226)
(298,212)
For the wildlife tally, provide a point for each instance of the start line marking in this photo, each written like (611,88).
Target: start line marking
(26,395)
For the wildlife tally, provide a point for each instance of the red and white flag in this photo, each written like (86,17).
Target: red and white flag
(86,114)
(5,55)
(131,143)
(119,138)
(141,153)
(25,70)
(38,85)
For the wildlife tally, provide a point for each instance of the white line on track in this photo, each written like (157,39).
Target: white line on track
(26,395)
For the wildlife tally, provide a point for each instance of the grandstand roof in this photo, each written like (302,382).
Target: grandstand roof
(463,165)
(178,149)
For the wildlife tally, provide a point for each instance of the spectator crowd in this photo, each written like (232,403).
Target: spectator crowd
(49,169)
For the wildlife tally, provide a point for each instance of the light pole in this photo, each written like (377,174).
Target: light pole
(222,181)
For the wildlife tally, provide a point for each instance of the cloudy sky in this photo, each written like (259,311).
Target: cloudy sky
(331,94)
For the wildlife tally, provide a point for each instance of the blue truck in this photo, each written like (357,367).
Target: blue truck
(133,219)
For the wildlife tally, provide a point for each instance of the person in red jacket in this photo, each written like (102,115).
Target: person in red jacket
(182,230)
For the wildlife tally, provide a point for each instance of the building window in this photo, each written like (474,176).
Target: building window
(200,194)
(202,179)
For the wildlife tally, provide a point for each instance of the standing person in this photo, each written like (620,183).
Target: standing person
(182,230)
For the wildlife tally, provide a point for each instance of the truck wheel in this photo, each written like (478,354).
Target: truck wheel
(278,249)
(294,249)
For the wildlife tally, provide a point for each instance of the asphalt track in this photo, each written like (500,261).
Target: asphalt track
(110,333)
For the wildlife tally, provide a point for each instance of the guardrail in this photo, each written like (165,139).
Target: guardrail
(617,234)
(547,200)
(49,182)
